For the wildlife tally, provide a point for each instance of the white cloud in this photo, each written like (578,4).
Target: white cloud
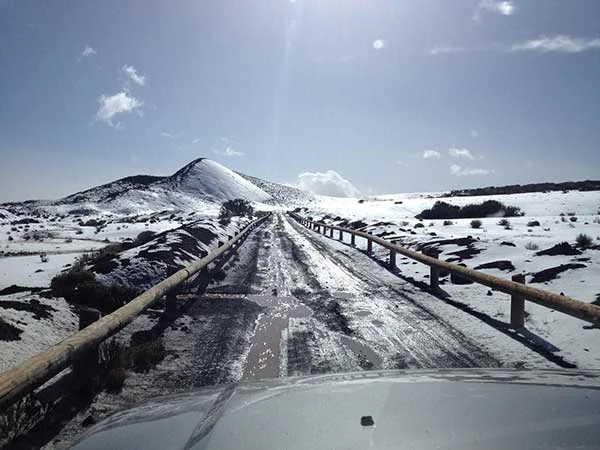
(474,133)
(170,135)
(133,76)
(87,51)
(561,43)
(427,154)
(378,44)
(460,153)
(196,140)
(459,171)
(228,151)
(113,105)
(444,49)
(328,183)
(504,8)
(401,163)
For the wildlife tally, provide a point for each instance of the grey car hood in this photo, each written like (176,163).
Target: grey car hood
(466,409)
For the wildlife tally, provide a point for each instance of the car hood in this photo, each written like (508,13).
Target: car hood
(467,409)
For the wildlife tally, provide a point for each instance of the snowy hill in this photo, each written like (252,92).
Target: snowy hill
(210,180)
(200,185)
(281,193)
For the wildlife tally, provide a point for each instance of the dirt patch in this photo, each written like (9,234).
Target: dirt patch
(39,310)
(467,253)
(552,273)
(9,332)
(357,224)
(564,248)
(502,265)
(15,289)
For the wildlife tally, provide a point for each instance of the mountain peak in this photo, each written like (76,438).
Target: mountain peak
(208,179)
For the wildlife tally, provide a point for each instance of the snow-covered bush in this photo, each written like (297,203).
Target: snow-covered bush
(532,246)
(583,240)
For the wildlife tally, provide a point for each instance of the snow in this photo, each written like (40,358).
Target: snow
(574,339)
(207,178)
(38,334)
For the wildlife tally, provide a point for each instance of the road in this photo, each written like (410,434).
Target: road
(295,303)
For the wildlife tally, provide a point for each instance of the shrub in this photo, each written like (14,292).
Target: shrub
(19,418)
(532,246)
(80,287)
(476,223)
(533,223)
(503,222)
(143,237)
(79,232)
(419,225)
(583,240)
(115,379)
(114,361)
(448,222)
(218,274)
(65,284)
(146,356)
(443,210)
(10,238)
(237,207)
(573,219)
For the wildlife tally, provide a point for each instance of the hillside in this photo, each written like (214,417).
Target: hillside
(280,193)
(200,185)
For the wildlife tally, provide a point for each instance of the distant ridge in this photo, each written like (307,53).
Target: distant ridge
(587,185)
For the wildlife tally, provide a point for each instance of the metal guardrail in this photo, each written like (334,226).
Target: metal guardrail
(31,373)
(516,287)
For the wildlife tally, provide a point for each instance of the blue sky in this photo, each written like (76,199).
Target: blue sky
(336,95)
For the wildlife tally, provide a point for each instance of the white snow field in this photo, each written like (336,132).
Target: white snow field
(574,340)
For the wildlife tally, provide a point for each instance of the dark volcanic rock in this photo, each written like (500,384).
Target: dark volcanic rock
(564,248)
(502,265)
(552,273)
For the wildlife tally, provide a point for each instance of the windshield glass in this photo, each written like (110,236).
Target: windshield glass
(225,192)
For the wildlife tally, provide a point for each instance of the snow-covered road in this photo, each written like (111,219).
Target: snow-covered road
(359,316)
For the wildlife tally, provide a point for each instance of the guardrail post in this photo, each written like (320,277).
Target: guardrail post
(393,259)
(369,245)
(353,240)
(331,232)
(85,369)
(517,305)
(341,235)
(171,303)
(434,275)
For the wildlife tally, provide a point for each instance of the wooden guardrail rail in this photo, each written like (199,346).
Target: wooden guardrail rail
(31,373)
(516,287)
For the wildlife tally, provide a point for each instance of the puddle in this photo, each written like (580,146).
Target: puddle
(363,313)
(377,323)
(364,352)
(263,358)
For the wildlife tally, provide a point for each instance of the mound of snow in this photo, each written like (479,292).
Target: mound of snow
(211,180)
